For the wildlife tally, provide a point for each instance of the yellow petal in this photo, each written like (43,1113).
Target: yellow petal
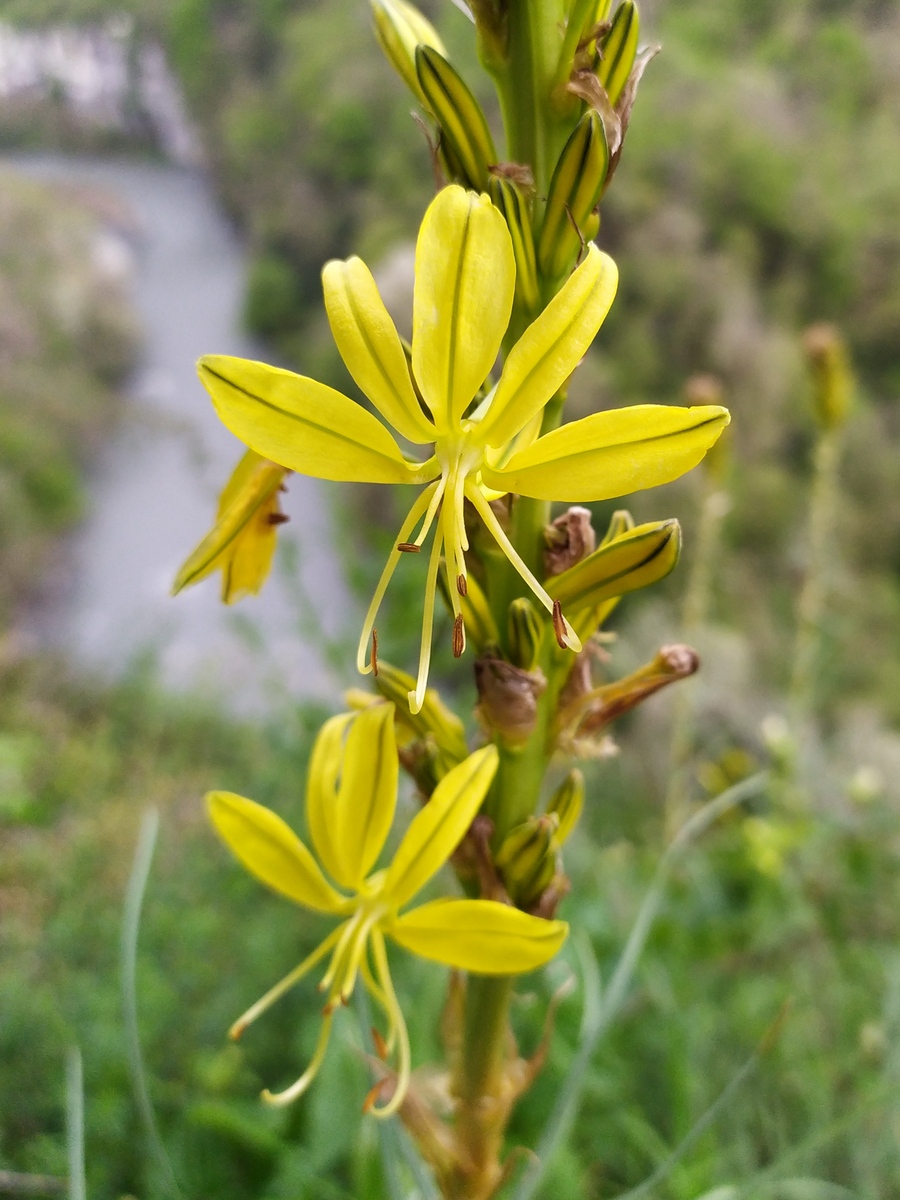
(271,851)
(551,348)
(242,540)
(371,347)
(302,424)
(612,453)
(465,280)
(321,791)
(368,793)
(479,935)
(438,829)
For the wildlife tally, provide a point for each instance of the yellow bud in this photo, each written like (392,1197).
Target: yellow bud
(434,721)
(633,560)
(832,377)
(508,197)
(574,193)
(526,632)
(527,859)
(621,522)
(567,803)
(399,28)
(464,128)
(617,50)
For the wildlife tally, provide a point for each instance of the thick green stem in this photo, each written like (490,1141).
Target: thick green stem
(533,134)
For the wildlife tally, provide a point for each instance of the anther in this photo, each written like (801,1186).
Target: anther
(372,1096)
(462,585)
(381,1048)
(374,651)
(278,518)
(409,548)
(459,637)
(559,625)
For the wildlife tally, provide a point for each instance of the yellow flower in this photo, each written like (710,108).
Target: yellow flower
(242,541)
(350,801)
(483,448)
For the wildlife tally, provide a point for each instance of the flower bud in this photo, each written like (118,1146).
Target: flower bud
(507,698)
(633,560)
(831,375)
(434,721)
(567,802)
(464,128)
(526,632)
(574,192)
(617,50)
(399,28)
(527,860)
(621,522)
(508,197)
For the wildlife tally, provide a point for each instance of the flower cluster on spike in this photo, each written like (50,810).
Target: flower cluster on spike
(484,435)
(350,801)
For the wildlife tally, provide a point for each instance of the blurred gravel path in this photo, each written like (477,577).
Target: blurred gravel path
(154,492)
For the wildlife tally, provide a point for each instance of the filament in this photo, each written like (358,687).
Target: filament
(432,509)
(420,505)
(284,985)
(280,1099)
(417,698)
(398,1031)
(496,529)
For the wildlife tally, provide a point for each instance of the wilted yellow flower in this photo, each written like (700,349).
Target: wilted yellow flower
(350,801)
(242,541)
(483,447)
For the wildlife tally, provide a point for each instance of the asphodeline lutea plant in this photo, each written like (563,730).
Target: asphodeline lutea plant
(351,798)
(485,436)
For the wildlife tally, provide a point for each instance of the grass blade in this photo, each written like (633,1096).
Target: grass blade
(75,1124)
(610,1004)
(393,1141)
(566,1105)
(131,923)
(703,1123)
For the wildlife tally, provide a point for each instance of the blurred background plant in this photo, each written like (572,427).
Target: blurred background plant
(757,196)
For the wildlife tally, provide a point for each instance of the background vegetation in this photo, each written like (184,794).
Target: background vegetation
(758,193)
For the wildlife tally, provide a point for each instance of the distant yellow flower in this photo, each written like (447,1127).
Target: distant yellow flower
(350,801)
(483,448)
(242,541)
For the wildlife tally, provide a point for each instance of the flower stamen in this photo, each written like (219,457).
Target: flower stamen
(281,1099)
(284,985)
(420,505)
(417,698)
(398,1031)
(569,639)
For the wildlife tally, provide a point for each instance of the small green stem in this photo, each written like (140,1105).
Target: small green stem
(811,605)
